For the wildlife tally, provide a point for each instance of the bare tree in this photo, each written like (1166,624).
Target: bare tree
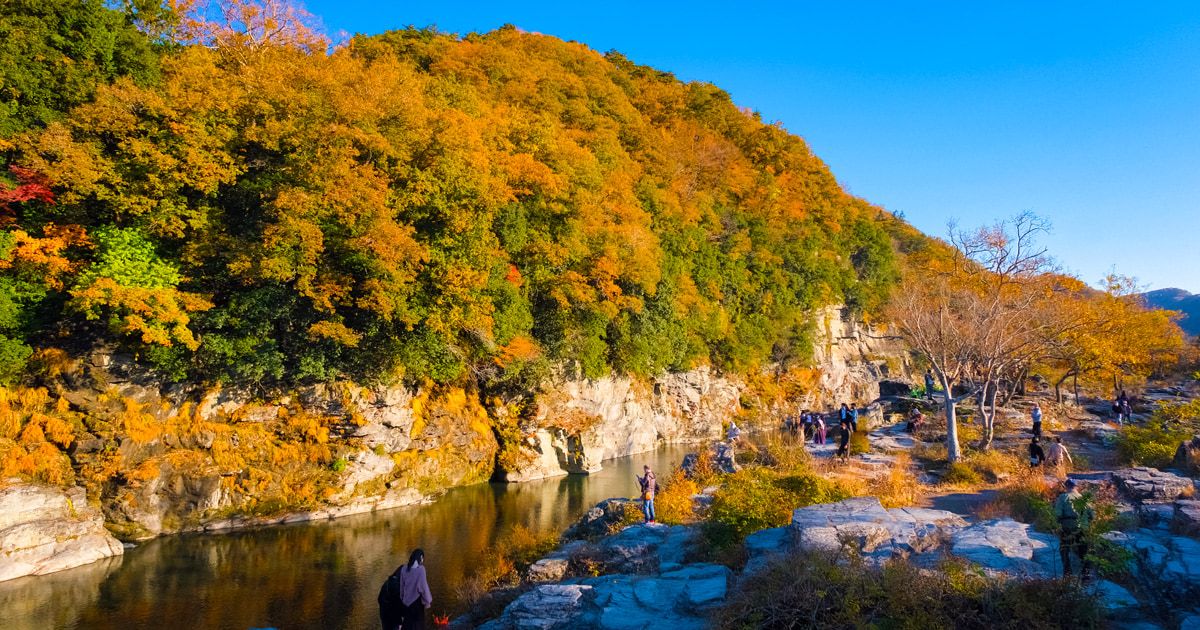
(978,319)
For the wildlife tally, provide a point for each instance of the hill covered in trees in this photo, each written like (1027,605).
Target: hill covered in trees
(235,201)
(1177,300)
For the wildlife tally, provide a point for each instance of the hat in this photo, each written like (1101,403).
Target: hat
(1070,483)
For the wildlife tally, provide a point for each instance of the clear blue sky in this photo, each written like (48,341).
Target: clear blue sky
(1086,113)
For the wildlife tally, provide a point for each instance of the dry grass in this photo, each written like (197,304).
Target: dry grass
(898,487)
(823,591)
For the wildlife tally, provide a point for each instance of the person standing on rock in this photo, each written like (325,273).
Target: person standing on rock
(808,427)
(928,385)
(405,595)
(1037,455)
(1036,414)
(843,451)
(854,419)
(649,487)
(1073,518)
(1057,454)
(819,423)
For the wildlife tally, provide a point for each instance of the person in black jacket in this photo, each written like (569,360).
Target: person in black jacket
(1036,454)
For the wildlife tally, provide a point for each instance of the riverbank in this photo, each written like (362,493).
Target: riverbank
(311,575)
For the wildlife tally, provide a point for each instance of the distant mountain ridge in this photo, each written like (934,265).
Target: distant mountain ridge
(1178,300)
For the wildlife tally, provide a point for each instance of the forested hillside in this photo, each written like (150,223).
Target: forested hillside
(237,201)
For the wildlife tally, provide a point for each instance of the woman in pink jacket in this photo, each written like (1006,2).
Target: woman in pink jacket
(405,596)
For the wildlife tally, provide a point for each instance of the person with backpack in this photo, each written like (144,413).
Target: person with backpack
(649,486)
(1073,518)
(1037,455)
(405,595)
(1121,408)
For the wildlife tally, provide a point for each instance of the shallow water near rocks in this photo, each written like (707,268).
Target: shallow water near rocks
(308,575)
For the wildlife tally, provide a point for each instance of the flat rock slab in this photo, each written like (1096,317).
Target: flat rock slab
(1006,546)
(674,599)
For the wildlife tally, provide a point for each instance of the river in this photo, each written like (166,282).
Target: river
(308,575)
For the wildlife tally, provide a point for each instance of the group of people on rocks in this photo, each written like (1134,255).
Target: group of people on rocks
(810,425)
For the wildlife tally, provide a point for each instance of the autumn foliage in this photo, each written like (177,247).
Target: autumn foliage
(260,206)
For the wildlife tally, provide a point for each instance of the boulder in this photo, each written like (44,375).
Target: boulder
(765,544)
(721,454)
(878,532)
(1150,485)
(44,529)
(1187,456)
(550,607)
(600,520)
(1186,518)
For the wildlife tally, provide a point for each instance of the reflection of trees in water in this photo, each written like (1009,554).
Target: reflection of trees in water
(315,575)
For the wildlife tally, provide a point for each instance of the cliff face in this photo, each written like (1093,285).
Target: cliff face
(853,357)
(169,459)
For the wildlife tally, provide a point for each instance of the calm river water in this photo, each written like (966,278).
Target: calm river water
(308,575)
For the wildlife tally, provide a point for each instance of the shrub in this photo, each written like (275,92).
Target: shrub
(960,473)
(502,564)
(1155,443)
(994,465)
(859,443)
(673,504)
(815,590)
(757,498)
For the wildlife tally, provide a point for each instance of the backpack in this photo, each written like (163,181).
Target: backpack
(390,604)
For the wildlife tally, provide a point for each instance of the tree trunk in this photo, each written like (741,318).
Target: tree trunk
(1076,388)
(987,411)
(953,452)
(1058,387)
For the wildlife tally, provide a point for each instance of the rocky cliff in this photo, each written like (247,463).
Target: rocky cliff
(44,529)
(161,459)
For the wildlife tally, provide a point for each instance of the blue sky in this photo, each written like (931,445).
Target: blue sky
(1086,113)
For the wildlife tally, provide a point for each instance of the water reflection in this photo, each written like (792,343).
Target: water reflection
(323,575)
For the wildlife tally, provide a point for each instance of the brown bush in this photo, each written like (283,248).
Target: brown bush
(813,590)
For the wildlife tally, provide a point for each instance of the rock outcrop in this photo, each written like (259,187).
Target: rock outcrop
(581,423)
(853,358)
(44,529)
(1150,485)
(878,532)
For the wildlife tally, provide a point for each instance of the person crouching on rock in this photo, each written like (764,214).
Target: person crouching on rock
(649,488)
(405,595)
(1073,517)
